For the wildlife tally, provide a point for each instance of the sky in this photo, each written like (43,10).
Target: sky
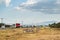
(29,11)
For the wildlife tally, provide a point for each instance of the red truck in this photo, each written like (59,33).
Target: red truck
(18,25)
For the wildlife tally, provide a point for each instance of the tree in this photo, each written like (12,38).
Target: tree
(1,24)
(55,25)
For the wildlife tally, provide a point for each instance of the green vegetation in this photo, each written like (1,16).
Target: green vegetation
(1,24)
(55,25)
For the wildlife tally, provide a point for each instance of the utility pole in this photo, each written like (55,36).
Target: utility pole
(22,22)
(2,25)
(1,20)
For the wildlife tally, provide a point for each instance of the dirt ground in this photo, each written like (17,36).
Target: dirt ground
(30,34)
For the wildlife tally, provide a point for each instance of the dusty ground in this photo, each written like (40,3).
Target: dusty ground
(31,34)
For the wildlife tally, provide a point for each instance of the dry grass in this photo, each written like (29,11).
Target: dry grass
(31,34)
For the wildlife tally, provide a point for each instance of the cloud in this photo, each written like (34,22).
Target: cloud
(58,2)
(7,2)
(17,8)
(29,2)
(1,1)
(45,6)
(25,4)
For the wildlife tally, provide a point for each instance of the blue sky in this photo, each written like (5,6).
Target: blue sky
(29,11)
